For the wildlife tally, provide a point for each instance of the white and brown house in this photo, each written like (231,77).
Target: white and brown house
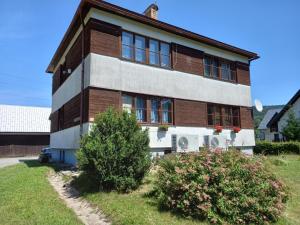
(275,120)
(111,56)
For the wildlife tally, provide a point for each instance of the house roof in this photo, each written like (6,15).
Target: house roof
(268,116)
(85,5)
(24,119)
(276,118)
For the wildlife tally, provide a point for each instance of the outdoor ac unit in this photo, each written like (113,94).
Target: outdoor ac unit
(216,141)
(185,143)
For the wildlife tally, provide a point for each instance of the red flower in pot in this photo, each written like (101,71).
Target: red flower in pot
(218,128)
(236,129)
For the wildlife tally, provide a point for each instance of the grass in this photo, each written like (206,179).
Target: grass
(287,168)
(26,197)
(135,208)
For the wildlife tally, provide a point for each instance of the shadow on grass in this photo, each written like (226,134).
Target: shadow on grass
(57,167)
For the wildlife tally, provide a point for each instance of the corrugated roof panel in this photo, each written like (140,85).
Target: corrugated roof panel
(24,119)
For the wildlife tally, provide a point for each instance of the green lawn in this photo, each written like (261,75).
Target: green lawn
(135,208)
(287,168)
(26,197)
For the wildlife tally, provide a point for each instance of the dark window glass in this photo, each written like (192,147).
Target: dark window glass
(155,105)
(210,114)
(140,49)
(127,103)
(127,45)
(141,109)
(215,68)
(235,117)
(207,66)
(227,117)
(153,52)
(165,55)
(218,116)
(225,71)
(166,105)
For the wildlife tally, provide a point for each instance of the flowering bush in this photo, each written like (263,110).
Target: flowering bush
(223,187)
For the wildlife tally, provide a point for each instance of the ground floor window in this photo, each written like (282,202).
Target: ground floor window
(159,110)
(223,115)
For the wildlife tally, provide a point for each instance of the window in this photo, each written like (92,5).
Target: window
(134,47)
(140,109)
(219,69)
(127,103)
(211,67)
(160,109)
(140,49)
(166,105)
(155,106)
(223,115)
(165,55)
(153,52)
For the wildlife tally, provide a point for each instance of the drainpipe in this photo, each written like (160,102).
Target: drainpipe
(82,74)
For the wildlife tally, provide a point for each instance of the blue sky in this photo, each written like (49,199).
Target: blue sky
(31,30)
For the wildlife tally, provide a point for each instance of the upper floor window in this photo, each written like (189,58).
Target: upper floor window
(134,47)
(219,69)
(223,115)
(127,45)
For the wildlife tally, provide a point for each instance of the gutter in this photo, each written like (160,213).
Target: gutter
(82,74)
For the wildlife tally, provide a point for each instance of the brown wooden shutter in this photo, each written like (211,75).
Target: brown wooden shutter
(187,59)
(243,73)
(246,116)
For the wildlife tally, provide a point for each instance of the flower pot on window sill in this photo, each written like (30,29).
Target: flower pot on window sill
(236,129)
(218,129)
(163,128)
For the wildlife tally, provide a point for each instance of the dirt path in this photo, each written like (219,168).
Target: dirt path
(86,213)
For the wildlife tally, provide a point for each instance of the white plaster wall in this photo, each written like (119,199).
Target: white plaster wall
(113,73)
(68,138)
(295,108)
(163,139)
(71,87)
(150,31)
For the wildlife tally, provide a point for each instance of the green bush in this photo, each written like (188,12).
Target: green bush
(116,151)
(276,148)
(222,187)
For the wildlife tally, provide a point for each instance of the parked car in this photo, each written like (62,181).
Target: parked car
(45,155)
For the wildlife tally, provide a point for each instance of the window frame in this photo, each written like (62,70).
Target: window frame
(232,68)
(148,108)
(147,50)
(223,115)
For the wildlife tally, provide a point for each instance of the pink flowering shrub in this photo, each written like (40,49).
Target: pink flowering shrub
(221,187)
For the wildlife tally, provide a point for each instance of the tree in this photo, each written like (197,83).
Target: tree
(115,152)
(292,129)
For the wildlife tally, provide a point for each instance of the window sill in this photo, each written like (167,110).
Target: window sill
(228,81)
(143,63)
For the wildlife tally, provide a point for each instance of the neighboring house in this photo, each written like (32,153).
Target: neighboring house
(265,132)
(279,121)
(162,73)
(23,130)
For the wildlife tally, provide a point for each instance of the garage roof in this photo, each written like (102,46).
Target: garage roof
(24,119)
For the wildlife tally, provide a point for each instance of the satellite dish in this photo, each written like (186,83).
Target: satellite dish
(258,105)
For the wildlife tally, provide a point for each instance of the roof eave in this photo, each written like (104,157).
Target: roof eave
(102,5)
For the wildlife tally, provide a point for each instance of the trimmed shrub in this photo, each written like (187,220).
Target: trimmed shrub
(116,151)
(222,187)
(276,148)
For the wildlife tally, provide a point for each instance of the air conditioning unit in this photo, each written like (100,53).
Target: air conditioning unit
(185,143)
(216,141)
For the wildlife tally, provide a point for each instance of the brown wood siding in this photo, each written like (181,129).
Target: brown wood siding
(190,113)
(56,80)
(243,73)
(54,121)
(246,118)
(100,100)
(72,112)
(104,38)
(186,59)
